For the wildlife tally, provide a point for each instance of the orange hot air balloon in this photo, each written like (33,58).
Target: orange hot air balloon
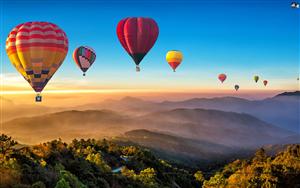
(222,77)
(174,58)
(37,49)
(265,82)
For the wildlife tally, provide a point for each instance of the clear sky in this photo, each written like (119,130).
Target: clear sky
(241,38)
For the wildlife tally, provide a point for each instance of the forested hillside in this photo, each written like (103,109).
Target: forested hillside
(103,163)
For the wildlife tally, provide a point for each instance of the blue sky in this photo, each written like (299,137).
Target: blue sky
(239,38)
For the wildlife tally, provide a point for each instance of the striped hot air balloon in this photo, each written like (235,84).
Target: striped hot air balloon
(84,57)
(137,35)
(37,49)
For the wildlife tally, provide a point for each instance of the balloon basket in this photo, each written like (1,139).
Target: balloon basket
(137,68)
(83,74)
(38,98)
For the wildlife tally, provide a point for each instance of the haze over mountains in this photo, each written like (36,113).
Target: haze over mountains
(196,128)
(281,110)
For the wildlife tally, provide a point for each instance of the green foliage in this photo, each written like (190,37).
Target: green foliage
(199,176)
(71,179)
(38,184)
(282,170)
(88,163)
(62,183)
(97,159)
(218,180)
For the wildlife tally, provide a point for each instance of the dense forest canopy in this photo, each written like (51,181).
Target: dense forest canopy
(103,163)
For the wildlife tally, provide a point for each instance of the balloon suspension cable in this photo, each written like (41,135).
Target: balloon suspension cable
(174,70)
(137,68)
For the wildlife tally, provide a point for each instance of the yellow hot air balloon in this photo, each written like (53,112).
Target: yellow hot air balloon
(174,58)
(37,49)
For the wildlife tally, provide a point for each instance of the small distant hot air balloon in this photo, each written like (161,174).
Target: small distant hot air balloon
(137,36)
(174,58)
(84,57)
(295,5)
(37,49)
(222,77)
(256,78)
(236,87)
(265,82)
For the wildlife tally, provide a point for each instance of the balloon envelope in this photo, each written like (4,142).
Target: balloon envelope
(137,35)
(174,58)
(295,5)
(236,87)
(222,77)
(37,49)
(84,57)
(256,78)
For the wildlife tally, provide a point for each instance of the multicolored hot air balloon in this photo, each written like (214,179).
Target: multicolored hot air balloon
(37,49)
(84,57)
(137,36)
(174,58)
(256,78)
(265,82)
(236,87)
(222,77)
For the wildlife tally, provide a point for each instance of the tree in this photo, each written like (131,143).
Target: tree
(62,183)
(260,155)
(199,176)
(217,180)
(71,179)
(38,184)
(97,159)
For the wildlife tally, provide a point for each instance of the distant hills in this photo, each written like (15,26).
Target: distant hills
(178,148)
(213,126)
(9,110)
(281,110)
(227,128)
(294,94)
(198,128)
(67,125)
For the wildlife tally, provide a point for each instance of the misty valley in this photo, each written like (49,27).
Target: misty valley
(207,142)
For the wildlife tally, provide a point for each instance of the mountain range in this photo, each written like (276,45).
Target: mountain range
(281,110)
(199,129)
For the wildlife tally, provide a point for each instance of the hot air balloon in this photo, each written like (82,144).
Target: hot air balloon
(84,57)
(222,77)
(37,49)
(137,36)
(174,58)
(295,5)
(265,82)
(236,87)
(256,78)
